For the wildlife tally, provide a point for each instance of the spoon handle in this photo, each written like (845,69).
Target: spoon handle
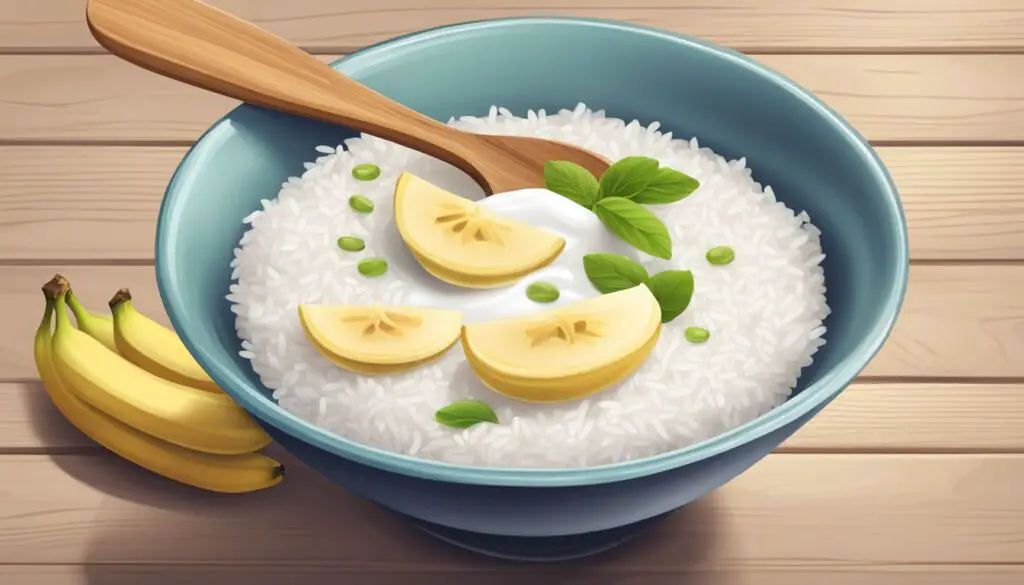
(203,46)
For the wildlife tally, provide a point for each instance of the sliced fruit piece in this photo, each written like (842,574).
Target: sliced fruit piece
(463,243)
(566,353)
(379,339)
(461,280)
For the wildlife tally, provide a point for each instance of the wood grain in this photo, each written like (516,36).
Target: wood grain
(343,25)
(81,202)
(101,203)
(867,417)
(198,44)
(822,511)
(899,482)
(30,423)
(961,203)
(957,321)
(913,417)
(758,572)
(902,98)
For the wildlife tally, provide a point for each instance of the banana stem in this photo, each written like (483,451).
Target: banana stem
(51,290)
(121,296)
(55,286)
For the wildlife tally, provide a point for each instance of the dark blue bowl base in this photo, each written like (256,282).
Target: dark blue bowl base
(536,549)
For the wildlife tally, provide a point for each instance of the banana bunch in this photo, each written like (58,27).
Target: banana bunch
(130,384)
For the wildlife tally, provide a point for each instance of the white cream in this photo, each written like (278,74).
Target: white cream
(583,232)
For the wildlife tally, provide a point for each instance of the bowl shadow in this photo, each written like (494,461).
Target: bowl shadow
(142,524)
(316,527)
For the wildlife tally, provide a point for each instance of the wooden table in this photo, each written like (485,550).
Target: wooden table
(915,475)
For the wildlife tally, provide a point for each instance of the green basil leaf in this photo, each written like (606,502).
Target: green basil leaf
(612,272)
(667,186)
(674,290)
(571,181)
(465,413)
(635,225)
(628,177)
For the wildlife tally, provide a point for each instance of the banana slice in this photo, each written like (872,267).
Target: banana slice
(380,339)
(464,244)
(565,353)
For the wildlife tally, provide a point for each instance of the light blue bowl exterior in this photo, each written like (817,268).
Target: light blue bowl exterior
(811,157)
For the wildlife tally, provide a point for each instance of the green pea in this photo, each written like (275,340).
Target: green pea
(372,267)
(720,255)
(366,172)
(697,334)
(351,244)
(542,292)
(360,204)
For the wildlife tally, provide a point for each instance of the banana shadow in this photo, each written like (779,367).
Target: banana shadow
(147,529)
(311,528)
(346,540)
(79,457)
(49,426)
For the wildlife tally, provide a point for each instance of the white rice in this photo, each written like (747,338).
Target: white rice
(764,311)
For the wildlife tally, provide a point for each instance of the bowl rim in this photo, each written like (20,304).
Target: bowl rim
(815,395)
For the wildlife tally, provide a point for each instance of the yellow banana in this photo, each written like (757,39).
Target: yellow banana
(99,327)
(218,473)
(183,415)
(153,347)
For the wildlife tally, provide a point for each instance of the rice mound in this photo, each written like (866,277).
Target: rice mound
(764,311)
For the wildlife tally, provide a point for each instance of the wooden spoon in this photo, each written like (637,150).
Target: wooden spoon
(203,46)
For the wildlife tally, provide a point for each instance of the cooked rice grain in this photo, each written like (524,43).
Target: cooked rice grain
(764,310)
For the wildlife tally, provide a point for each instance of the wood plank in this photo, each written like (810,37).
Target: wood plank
(821,511)
(761,572)
(912,417)
(906,98)
(901,417)
(961,203)
(102,203)
(342,25)
(82,202)
(98,97)
(902,97)
(957,321)
(20,286)
(29,422)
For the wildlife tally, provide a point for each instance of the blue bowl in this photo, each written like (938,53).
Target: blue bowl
(813,158)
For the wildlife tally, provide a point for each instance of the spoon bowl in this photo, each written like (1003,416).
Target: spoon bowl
(203,46)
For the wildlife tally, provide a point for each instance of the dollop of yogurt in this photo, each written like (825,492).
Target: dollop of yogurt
(583,232)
